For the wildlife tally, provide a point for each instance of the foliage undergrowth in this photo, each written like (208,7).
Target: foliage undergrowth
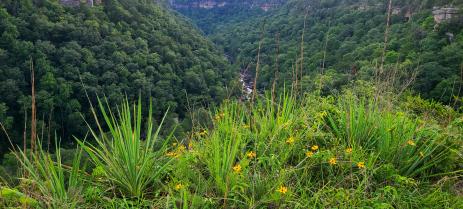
(340,151)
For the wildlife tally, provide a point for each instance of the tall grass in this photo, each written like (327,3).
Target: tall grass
(59,186)
(413,148)
(131,162)
(223,147)
(258,140)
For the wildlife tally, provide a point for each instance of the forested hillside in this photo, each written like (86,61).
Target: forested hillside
(330,43)
(121,48)
(298,104)
(208,15)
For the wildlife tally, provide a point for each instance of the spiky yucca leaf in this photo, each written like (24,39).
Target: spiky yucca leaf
(132,165)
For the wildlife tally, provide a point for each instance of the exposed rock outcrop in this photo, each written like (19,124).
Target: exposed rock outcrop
(74,3)
(442,14)
(211,4)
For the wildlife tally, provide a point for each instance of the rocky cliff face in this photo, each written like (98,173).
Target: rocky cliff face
(211,4)
(442,14)
(78,2)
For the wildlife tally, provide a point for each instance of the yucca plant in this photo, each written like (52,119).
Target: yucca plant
(58,185)
(131,164)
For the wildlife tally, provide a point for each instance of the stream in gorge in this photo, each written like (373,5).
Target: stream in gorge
(247,83)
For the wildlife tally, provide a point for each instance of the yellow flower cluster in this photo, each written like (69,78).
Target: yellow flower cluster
(411,143)
(348,150)
(309,154)
(172,154)
(332,161)
(290,140)
(177,151)
(237,169)
(179,186)
(251,154)
(361,165)
(282,189)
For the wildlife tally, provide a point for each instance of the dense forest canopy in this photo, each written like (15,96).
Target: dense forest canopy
(345,40)
(121,48)
(208,15)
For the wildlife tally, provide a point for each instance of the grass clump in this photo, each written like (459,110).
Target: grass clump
(49,181)
(413,147)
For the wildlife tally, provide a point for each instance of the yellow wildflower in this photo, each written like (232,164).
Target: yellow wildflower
(282,189)
(349,150)
(290,140)
(246,126)
(314,148)
(171,154)
(251,154)
(411,143)
(178,186)
(361,164)
(309,154)
(237,168)
(332,161)
(181,148)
